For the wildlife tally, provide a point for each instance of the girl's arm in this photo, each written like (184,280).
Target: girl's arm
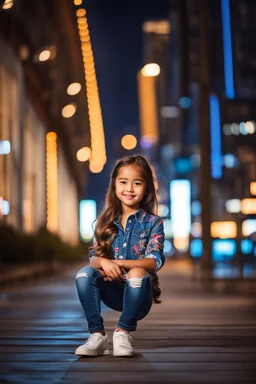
(110,269)
(148,264)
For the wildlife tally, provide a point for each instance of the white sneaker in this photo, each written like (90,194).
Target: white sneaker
(96,345)
(122,344)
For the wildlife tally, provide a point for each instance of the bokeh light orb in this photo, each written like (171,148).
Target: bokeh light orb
(44,55)
(129,142)
(69,110)
(74,89)
(83,154)
(81,12)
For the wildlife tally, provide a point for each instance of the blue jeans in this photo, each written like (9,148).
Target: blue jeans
(133,299)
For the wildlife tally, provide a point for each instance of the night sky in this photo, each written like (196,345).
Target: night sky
(116,35)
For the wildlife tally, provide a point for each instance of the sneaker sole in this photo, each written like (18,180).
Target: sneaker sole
(95,353)
(124,354)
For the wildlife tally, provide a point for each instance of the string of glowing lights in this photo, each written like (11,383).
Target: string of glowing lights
(51,181)
(98,149)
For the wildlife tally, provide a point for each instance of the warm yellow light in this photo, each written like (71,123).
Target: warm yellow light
(83,26)
(253,188)
(248,206)
(82,20)
(97,162)
(51,136)
(83,32)
(148,108)
(86,46)
(87,54)
(80,12)
(151,69)
(91,80)
(98,150)
(44,55)
(95,168)
(69,110)
(74,89)
(85,38)
(89,65)
(181,243)
(7,4)
(78,2)
(129,142)
(250,127)
(224,229)
(52,181)
(83,154)
(161,27)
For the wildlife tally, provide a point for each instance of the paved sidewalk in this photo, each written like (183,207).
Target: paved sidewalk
(199,334)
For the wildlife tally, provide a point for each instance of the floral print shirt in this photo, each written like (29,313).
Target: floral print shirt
(143,237)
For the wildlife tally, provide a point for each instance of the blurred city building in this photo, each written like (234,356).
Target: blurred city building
(43,116)
(232,123)
(205,100)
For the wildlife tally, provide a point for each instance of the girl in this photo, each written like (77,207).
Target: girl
(123,261)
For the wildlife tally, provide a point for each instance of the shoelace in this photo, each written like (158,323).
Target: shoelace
(93,338)
(124,339)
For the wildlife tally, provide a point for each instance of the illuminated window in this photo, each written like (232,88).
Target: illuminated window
(248,206)
(180,213)
(87,215)
(224,229)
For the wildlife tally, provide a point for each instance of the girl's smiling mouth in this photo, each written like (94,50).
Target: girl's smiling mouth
(130,197)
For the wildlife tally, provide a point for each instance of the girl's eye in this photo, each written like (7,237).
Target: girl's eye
(137,183)
(122,182)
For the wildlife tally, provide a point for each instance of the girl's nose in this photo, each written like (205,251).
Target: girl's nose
(129,188)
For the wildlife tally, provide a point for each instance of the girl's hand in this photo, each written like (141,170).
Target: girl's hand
(112,269)
(105,277)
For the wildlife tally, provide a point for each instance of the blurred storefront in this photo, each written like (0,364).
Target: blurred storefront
(41,181)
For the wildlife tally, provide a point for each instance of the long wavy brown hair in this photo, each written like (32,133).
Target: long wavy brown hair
(105,229)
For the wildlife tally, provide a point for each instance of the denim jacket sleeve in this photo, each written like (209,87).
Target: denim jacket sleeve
(155,245)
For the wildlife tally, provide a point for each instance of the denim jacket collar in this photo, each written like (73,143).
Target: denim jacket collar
(138,215)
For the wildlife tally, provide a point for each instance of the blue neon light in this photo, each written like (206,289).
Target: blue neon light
(227,49)
(223,250)
(246,246)
(215,126)
(196,248)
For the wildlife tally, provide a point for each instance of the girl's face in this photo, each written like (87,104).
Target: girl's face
(130,188)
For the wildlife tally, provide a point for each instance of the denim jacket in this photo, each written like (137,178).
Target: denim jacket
(143,237)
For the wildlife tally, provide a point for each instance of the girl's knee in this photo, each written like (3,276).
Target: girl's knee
(136,272)
(87,272)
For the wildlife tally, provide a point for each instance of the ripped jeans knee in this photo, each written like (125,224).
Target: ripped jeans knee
(88,272)
(136,282)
